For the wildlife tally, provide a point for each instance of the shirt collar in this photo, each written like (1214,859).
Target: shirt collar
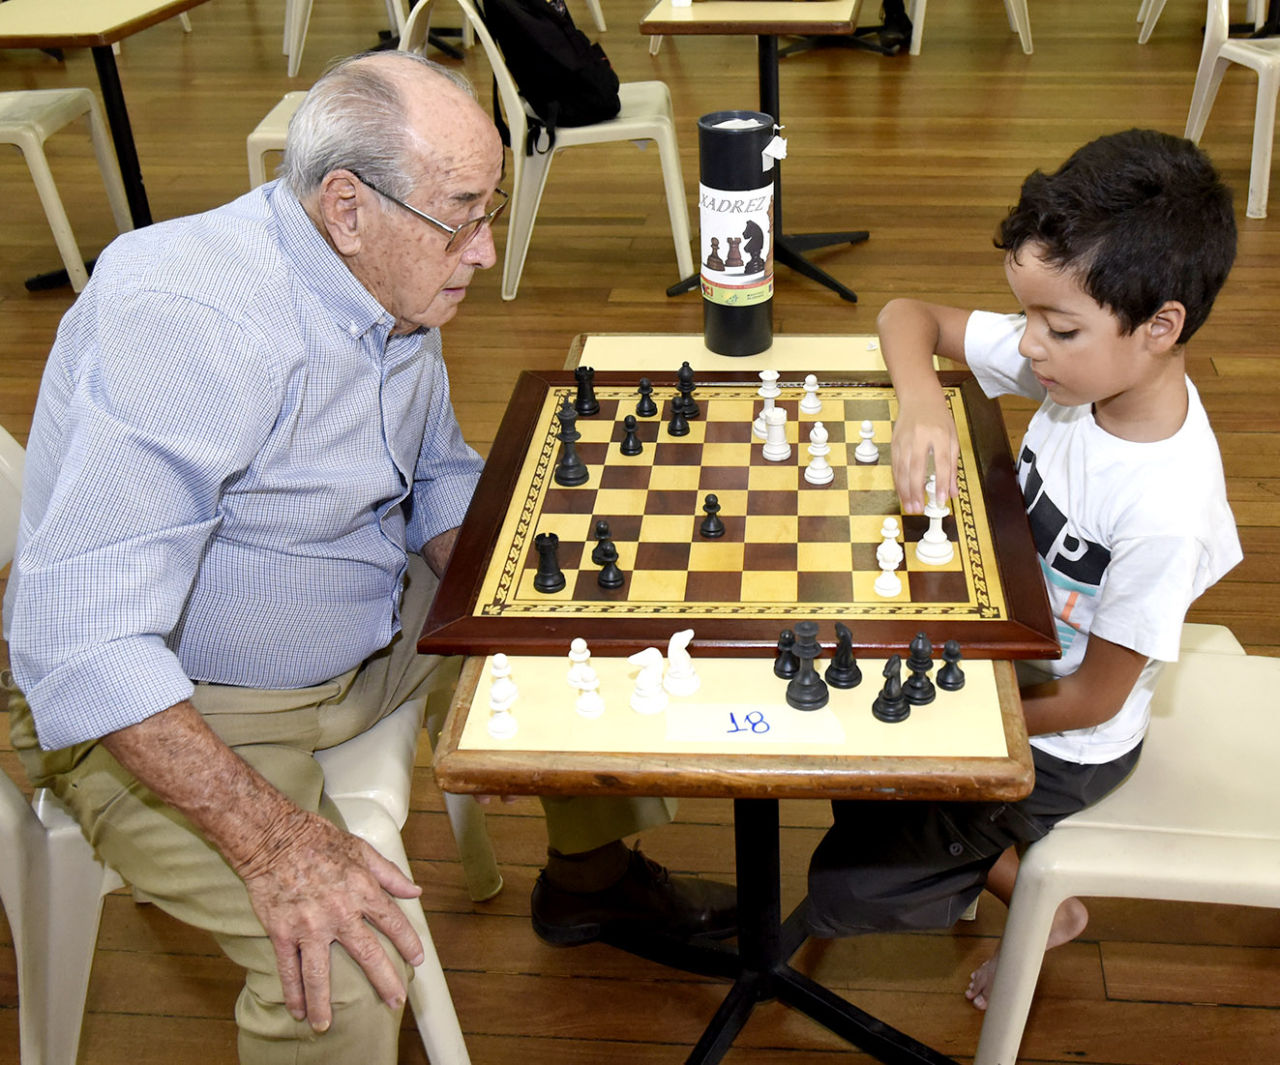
(355,311)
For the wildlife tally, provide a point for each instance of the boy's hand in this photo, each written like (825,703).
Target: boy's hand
(924,428)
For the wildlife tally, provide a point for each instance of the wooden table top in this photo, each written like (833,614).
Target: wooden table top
(762,18)
(81,23)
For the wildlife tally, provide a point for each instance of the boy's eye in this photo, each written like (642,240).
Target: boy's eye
(1066,334)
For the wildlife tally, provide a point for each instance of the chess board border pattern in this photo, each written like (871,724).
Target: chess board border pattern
(486,604)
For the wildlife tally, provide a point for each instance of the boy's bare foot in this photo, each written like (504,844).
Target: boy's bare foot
(1068,922)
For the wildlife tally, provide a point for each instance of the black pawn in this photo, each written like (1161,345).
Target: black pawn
(610,576)
(806,690)
(890,705)
(918,690)
(786,665)
(630,442)
(679,424)
(548,578)
(951,676)
(711,526)
(843,671)
(585,403)
(684,383)
(646,407)
(602,534)
(570,470)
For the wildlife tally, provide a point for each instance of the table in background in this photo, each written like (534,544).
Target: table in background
(951,765)
(95,24)
(767,20)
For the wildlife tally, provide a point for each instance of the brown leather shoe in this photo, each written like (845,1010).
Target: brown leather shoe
(647,898)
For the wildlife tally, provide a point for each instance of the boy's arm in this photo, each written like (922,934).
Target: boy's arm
(911,333)
(1094,693)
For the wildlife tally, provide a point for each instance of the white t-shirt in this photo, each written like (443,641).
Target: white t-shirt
(1129,534)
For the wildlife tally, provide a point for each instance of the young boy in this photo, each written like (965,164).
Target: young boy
(1116,259)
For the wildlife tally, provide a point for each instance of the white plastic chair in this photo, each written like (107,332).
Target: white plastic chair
(30,117)
(1261,56)
(1195,822)
(646,115)
(1149,12)
(1015,10)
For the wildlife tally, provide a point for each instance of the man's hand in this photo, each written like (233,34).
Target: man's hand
(322,886)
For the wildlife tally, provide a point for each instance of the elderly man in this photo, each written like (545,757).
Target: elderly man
(243,469)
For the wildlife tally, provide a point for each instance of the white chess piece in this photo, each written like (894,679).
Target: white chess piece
(866,452)
(681,678)
(502,695)
(776,448)
(812,402)
(579,655)
(590,703)
(768,391)
(934,548)
(648,696)
(888,555)
(819,470)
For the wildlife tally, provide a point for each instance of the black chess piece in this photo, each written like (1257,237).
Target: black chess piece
(602,534)
(679,424)
(843,671)
(630,442)
(753,245)
(714,262)
(951,676)
(807,690)
(570,470)
(711,527)
(684,383)
(585,403)
(549,577)
(610,576)
(891,705)
(918,689)
(734,258)
(786,665)
(646,407)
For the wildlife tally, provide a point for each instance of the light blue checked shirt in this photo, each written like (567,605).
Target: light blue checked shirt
(229,460)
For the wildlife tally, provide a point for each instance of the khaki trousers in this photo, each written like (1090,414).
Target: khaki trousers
(276,731)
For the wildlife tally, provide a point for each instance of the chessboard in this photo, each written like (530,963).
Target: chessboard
(790,551)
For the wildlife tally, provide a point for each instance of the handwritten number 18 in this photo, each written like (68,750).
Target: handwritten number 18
(753,721)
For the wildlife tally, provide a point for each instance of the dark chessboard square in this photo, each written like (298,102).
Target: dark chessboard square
(864,557)
(723,479)
(646,431)
(884,501)
(593,453)
(568,501)
(662,556)
(735,529)
(823,529)
(728,432)
(568,555)
(914,526)
(837,431)
(825,587)
(623,528)
(672,501)
(608,411)
(839,479)
(765,557)
(586,587)
(713,587)
(636,477)
(943,586)
(861,410)
(765,502)
(678,454)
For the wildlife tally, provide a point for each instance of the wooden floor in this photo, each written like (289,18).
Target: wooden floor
(927,153)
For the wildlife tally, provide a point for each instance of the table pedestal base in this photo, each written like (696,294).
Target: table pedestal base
(759,967)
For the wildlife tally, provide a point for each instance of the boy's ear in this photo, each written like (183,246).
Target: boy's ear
(1165,326)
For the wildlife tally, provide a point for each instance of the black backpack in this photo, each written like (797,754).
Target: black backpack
(566,79)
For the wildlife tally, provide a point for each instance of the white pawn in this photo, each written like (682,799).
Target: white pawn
(648,696)
(819,469)
(590,703)
(866,452)
(502,694)
(681,678)
(776,448)
(888,555)
(768,391)
(579,655)
(812,402)
(934,548)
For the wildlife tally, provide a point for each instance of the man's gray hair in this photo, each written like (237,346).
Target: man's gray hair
(354,119)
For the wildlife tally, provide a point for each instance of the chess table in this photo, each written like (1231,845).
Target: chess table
(736,737)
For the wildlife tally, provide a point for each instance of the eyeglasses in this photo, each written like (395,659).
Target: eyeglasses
(459,236)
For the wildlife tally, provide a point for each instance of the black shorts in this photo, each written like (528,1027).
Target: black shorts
(893,866)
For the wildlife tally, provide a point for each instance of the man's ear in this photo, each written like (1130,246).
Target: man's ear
(1165,326)
(341,212)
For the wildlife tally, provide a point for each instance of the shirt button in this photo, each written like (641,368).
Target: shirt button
(956,850)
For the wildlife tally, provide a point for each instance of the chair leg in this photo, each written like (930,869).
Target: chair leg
(677,204)
(1208,78)
(42,176)
(530,180)
(1264,127)
(597,15)
(655,43)
(1020,22)
(917,25)
(297,19)
(105,152)
(475,849)
(1149,15)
